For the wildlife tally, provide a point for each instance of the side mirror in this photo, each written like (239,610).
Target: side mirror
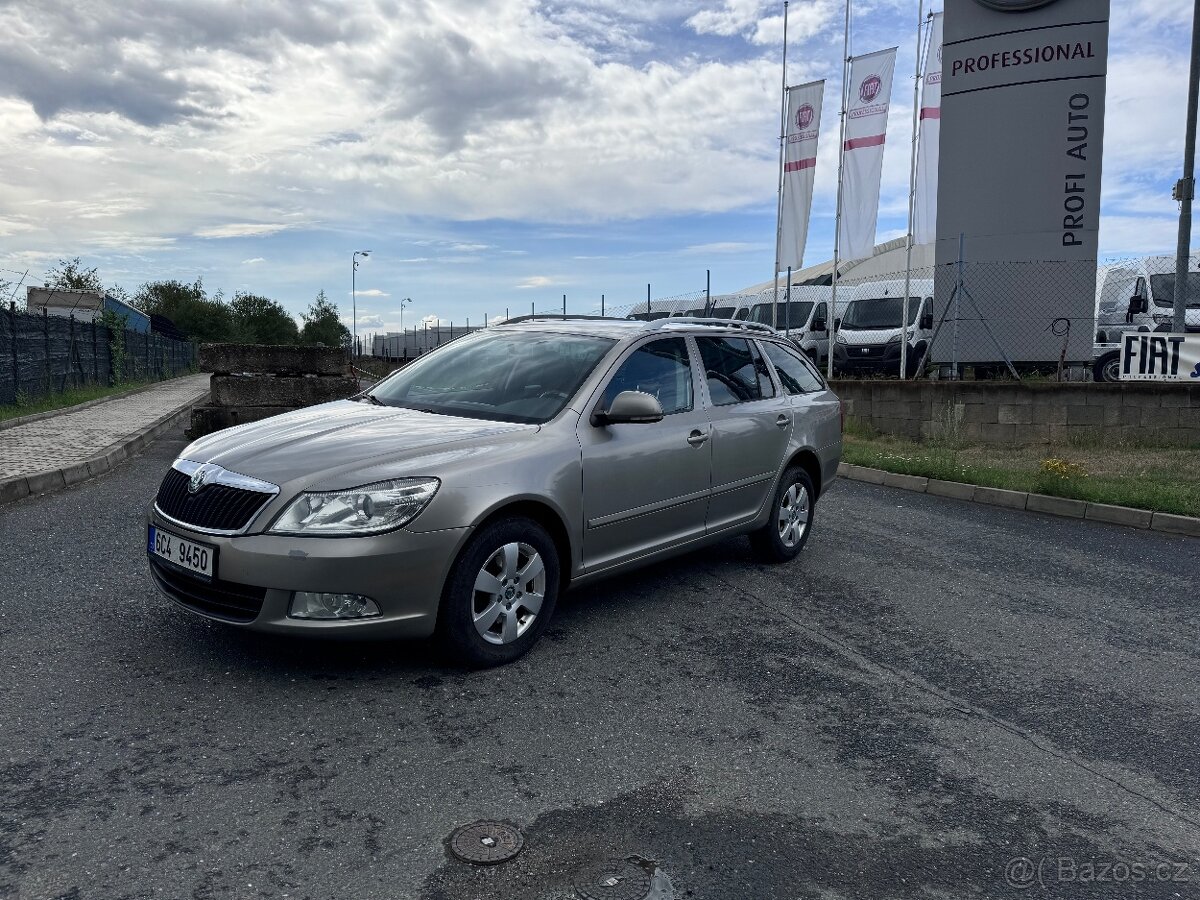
(1137,305)
(926,322)
(819,324)
(632,407)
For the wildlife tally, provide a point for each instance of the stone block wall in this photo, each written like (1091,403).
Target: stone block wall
(253,382)
(1025,412)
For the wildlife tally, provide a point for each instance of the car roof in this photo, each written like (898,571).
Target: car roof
(622,329)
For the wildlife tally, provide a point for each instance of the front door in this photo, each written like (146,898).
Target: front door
(645,486)
(751,424)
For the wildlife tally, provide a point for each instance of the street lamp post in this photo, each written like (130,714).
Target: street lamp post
(403,337)
(354,299)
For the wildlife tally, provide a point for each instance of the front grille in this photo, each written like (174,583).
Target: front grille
(872,351)
(226,600)
(218,507)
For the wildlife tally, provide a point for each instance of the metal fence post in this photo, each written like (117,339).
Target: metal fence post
(46,346)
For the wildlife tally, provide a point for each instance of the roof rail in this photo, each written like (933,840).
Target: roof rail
(741,324)
(559,317)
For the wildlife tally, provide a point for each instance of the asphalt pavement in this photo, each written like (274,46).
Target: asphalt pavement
(939,699)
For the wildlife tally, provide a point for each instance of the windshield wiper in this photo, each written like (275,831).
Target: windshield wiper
(370,398)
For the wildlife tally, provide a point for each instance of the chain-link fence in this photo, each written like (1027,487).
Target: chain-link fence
(41,355)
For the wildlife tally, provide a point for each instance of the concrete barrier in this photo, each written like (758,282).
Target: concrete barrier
(272,359)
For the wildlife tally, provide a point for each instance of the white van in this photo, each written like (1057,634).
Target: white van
(722,306)
(870,331)
(805,319)
(1139,295)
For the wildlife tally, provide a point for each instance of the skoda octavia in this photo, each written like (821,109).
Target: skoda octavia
(461,495)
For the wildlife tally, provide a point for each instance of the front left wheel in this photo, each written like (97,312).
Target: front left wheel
(500,594)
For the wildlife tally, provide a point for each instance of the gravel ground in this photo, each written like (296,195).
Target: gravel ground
(935,690)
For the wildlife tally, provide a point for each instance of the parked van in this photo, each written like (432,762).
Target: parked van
(870,331)
(1139,295)
(724,306)
(805,319)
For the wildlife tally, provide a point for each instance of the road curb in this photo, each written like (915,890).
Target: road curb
(1041,503)
(106,459)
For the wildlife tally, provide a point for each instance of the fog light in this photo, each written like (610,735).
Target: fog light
(309,605)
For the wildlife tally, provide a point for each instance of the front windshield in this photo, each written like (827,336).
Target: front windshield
(509,376)
(790,314)
(880,312)
(1163,289)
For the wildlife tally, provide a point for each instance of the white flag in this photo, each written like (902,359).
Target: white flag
(799,167)
(870,91)
(930,130)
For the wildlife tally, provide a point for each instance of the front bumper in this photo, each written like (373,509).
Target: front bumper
(403,571)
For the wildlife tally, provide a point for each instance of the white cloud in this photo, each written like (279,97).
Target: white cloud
(720,247)
(240,229)
(372,292)
(253,262)
(370,321)
(536,281)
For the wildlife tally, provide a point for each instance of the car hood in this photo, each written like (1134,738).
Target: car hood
(328,443)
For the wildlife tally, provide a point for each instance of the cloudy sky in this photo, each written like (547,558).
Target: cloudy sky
(491,153)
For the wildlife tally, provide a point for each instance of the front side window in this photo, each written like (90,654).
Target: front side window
(734,370)
(510,376)
(795,373)
(661,368)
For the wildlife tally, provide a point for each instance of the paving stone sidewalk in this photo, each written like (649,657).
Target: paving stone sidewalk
(72,437)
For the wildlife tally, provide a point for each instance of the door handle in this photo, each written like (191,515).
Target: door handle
(696,438)
(782,421)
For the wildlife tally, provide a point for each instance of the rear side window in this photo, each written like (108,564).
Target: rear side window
(661,368)
(735,371)
(795,372)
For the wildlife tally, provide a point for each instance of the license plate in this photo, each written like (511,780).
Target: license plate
(191,556)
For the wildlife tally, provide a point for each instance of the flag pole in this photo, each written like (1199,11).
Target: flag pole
(912,196)
(837,226)
(782,140)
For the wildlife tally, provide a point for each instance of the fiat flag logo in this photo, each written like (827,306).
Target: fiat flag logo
(869,89)
(804,116)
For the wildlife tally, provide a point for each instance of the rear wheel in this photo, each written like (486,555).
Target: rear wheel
(787,528)
(500,594)
(1107,367)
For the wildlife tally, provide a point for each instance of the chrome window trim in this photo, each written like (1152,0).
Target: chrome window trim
(229,479)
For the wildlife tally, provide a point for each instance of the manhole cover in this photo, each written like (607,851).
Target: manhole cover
(617,879)
(486,843)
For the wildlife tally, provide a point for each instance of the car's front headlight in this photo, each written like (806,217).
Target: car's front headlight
(841,338)
(369,509)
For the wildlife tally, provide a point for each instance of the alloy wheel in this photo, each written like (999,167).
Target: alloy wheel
(792,519)
(508,594)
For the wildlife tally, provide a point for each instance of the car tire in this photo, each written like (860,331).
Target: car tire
(1108,367)
(790,521)
(486,616)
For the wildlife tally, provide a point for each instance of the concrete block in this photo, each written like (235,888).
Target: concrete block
(1161,521)
(207,419)
(998,434)
(283,360)
(969,431)
(1001,497)
(1160,417)
(1122,415)
(1172,396)
(75,473)
(1119,515)
(1048,414)
(280,390)
(906,482)
(1056,506)
(13,489)
(979,413)
(45,482)
(1015,414)
(97,466)
(865,473)
(1084,415)
(953,489)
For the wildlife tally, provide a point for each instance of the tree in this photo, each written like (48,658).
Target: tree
(71,275)
(323,325)
(202,318)
(260,320)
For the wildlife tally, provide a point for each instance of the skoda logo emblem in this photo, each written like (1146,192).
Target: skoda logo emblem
(1014,5)
(199,479)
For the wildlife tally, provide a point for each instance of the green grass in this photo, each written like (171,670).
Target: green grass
(1166,479)
(71,397)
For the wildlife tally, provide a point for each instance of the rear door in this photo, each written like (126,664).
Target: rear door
(646,486)
(751,424)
